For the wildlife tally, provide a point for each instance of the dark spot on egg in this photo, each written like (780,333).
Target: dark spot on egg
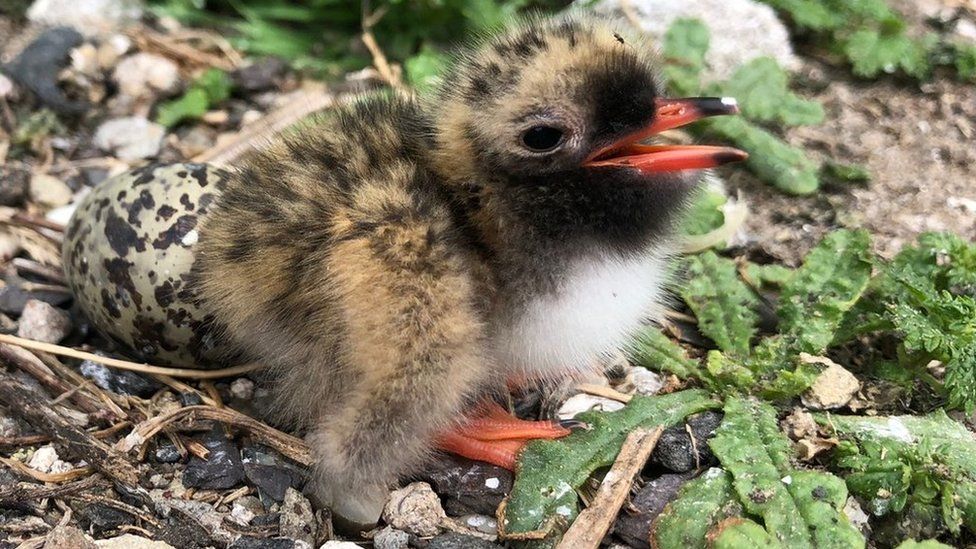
(165,211)
(121,236)
(175,233)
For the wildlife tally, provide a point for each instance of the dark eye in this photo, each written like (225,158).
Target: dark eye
(542,138)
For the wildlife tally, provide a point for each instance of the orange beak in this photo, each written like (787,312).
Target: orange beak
(670,113)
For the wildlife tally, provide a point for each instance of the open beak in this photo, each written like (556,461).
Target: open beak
(670,113)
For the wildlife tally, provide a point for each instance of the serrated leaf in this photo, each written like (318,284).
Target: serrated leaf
(724,374)
(655,351)
(761,87)
(831,280)
(723,304)
(872,52)
(705,212)
(548,470)
(798,508)
(770,158)
(741,533)
(927,544)
(702,503)
(929,460)
(685,45)
(767,275)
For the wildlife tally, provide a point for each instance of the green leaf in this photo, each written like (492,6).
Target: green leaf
(900,459)
(831,280)
(701,505)
(655,351)
(798,508)
(193,104)
(845,173)
(724,374)
(685,45)
(767,275)
(871,52)
(743,534)
(550,470)
(965,61)
(770,158)
(210,88)
(761,87)
(705,213)
(424,69)
(723,304)
(927,544)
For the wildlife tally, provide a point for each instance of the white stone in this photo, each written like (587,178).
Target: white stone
(130,138)
(49,191)
(833,388)
(583,402)
(242,388)
(334,544)
(6,87)
(645,381)
(145,74)
(44,459)
(415,509)
(89,17)
(740,30)
(132,541)
(44,322)
(390,538)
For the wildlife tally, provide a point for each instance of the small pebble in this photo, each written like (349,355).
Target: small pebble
(119,381)
(221,470)
(109,51)
(145,74)
(49,190)
(6,87)
(88,16)
(583,402)
(335,544)
(453,540)
(130,138)
(480,523)
(68,537)
(415,509)
(84,59)
(297,519)
(43,322)
(132,541)
(833,388)
(242,389)
(241,514)
(675,451)
(391,538)
(14,185)
(247,542)
(44,459)
(466,486)
(261,75)
(38,67)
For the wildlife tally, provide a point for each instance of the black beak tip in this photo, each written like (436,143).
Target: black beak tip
(718,106)
(729,155)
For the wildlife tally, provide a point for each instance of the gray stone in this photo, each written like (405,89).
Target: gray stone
(415,509)
(145,75)
(297,519)
(90,17)
(130,138)
(43,322)
(741,30)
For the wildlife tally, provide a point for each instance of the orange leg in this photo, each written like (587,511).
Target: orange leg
(497,437)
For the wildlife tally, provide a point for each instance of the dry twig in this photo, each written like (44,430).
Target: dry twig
(36,410)
(605,392)
(127,365)
(593,523)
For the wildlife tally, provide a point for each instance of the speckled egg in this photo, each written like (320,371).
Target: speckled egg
(128,257)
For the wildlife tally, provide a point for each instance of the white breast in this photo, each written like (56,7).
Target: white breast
(597,307)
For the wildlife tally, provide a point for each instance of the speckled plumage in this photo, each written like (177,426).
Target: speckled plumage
(397,258)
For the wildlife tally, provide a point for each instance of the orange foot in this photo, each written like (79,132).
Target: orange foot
(496,436)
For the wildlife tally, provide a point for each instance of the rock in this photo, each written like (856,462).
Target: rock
(832,389)
(68,537)
(582,402)
(188,398)
(634,525)
(854,513)
(43,322)
(6,87)
(415,509)
(110,50)
(390,538)
(221,470)
(297,519)
(259,76)
(13,298)
(242,389)
(965,29)
(132,541)
(740,30)
(13,186)
(453,540)
(99,519)
(271,477)
(245,542)
(191,523)
(336,544)
(49,190)
(167,453)
(84,59)
(645,382)
(88,16)
(44,459)
(130,138)
(675,451)
(119,381)
(480,523)
(467,486)
(61,215)
(144,75)
(38,66)
(8,425)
